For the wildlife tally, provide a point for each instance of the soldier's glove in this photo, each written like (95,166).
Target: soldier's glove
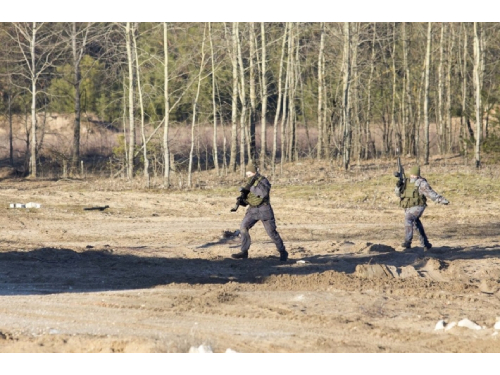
(400,183)
(241,202)
(444,201)
(244,189)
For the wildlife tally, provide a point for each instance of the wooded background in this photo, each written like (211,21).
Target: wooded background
(267,93)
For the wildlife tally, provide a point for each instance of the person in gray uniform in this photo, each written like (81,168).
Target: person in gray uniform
(413,193)
(259,208)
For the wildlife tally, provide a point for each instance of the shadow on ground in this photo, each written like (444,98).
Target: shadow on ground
(53,270)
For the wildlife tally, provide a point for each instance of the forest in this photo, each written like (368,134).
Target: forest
(217,96)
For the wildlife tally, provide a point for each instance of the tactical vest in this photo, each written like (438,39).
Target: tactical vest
(410,197)
(254,200)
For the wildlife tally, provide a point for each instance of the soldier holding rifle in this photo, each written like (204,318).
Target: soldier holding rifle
(413,193)
(255,194)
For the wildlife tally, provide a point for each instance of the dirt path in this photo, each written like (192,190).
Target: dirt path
(152,273)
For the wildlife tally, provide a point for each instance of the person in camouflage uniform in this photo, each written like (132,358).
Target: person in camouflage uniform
(413,193)
(259,208)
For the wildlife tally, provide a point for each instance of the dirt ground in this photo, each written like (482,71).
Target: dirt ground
(153,273)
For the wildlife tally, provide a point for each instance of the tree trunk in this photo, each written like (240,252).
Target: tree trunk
(33,142)
(243,100)
(449,125)
(408,134)
(477,87)
(215,152)
(319,146)
(77,83)
(285,98)
(440,124)
(195,110)
(394,89)
(276,117)
(131,88)
(346,97)
(253,97)
(426,93)
(263,122)
(11,146)
(234,98)
(464,116)
(370,147)
(141,108)
(166,149)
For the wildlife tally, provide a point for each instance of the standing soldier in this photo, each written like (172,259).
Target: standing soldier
(414,192)
(258,188)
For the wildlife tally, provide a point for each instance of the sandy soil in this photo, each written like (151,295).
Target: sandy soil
(153,273)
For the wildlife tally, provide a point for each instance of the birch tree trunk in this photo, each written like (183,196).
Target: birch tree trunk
(394,88)
(243,100)
(34,78)
(253,97)
(477,87)
(353,95)
(449,126)
(426,94)
(464,111)
(141,109)
(346,97)
(440,124)
(370,147)
(407,105)
(166,148)
(263,122)
(291,97)
(131,88)
(319,146)
(77,76)
(234,98)
(214,105)
(276,117)
(195,110)
(285,98)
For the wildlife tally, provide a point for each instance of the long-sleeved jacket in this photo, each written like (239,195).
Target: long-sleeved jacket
(423,189)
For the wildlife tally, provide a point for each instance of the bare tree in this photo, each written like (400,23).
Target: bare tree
(166,150)
(263,122)
(234,98)
(141,109)
(426,93)
(278,108)
(346,111)
(214,106)
(129,29)
(195,109)
(440,127)
(477,87)
(319,147)
(370,147)
(38,45)
(253,96)
(243,100)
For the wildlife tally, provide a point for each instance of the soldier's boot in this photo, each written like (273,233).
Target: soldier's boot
(283,255)
(240,255)
(406,245)
(428,246)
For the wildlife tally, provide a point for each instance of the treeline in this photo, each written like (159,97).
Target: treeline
(328,82)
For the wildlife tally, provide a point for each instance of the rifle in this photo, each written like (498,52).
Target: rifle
(401,175)
(244,191)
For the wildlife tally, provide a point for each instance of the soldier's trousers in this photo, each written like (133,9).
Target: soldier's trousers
(266,215)
(412,219)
